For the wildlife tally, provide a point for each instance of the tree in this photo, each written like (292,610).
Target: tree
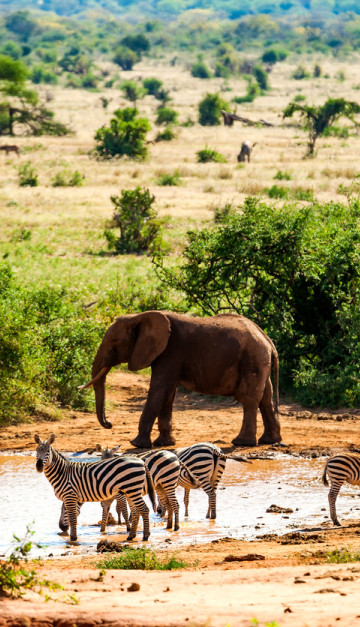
(210,109)
(138,43)
(125,136)
(132,91)
(137,220)
(125,57)
(21,105)
(316,119)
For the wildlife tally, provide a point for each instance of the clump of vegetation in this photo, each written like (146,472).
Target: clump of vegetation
(132,558)
(282,176)
(140,228)
(300,73)
(15,576)
(342,556)
(166,115)
(153,86)
(261,77)
(277,191)
(316,119)
(274,55)
(125,57)
(28,176)
(66,178)
(169,179)
(285,276)
(200,70)
(132,91)
(166,135)
(208,154)
(210,109)
(126,135)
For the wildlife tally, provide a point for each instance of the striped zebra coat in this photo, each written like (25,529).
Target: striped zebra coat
(206,463)
(164,468)
(341,468)
(79,482)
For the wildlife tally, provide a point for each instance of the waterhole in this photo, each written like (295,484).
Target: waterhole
(244,494)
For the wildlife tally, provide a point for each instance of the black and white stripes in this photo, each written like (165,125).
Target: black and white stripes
(340,468)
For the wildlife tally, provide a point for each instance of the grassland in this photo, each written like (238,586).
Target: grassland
(66,245)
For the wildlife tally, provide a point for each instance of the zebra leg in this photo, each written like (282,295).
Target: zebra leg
(121,508)
(71,506)
(163,497)
(63,521)
(105,513)
(334,491)
(186,500)
(208,488)
(139,507)
(135,515)
(175,508)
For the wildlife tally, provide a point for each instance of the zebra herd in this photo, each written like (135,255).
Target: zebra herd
(127,478)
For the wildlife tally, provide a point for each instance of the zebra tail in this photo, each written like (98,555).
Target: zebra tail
(150,489)
(236,458)
(192,477)
(324,479)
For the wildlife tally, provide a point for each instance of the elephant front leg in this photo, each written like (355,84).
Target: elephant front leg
(165,422)
(271,423)
(159,403)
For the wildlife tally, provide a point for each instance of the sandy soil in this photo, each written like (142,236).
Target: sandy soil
(288,580)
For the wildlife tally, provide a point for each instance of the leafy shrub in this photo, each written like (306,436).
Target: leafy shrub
(299,98)
(252,91)
(200,70)
(125,136)
(40,74)
(125,57)
(138,222)
(336,131)
(300,73)
(152,86)
(132,90)
(133,558)
(210,109)
(169,179)
(208,154)
(287,277)
(28,176)
(317,71)
(166,135)
(342,556)
(282,176)
(273,55)
(65,178)
(166,115)
(303,194)
(222,71)
(277,191)
(261,77)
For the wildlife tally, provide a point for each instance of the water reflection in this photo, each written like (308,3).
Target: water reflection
(244,495)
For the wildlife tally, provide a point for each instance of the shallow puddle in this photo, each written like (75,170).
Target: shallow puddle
(244,495)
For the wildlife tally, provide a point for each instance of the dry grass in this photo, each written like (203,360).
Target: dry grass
(67,223)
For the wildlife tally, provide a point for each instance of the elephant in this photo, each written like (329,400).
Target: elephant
(246,149)
(225,354)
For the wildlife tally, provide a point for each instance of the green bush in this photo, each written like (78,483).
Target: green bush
(166,135)
(282,176)
(200,70)
(274,55)
(252,91)
(126,135)
(125,57)
(166,115)
(295,271)
(140,228)
(66,178)
(300,73)
(137,558)
(222,71)
(208,154)
(168,179)
(277,191)
(28,176)
(152,86)
(210,109)
(261,77)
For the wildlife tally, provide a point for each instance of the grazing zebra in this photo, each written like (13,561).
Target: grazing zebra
(207,463)
(164,468)
(340,469)
(78,482)
(246,149)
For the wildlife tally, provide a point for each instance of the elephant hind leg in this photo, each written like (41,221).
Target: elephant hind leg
(247,434)
(271,423)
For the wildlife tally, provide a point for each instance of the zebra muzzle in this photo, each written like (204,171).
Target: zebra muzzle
(39,465)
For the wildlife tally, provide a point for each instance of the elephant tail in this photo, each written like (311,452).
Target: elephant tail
(151,489)
(275,364)
(324,479)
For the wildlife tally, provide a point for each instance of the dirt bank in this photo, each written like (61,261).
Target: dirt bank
(289,582)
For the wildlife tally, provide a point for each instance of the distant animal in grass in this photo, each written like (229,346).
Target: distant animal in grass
(10,148)
(246,150)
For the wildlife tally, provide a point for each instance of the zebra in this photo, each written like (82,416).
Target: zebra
(164,468)
(78,482)
(341,468)
(206,463)
(246,149)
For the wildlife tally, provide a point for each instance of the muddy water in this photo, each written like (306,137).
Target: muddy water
(244,495)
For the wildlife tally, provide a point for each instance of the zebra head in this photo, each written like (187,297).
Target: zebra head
(43,451)
(107,453)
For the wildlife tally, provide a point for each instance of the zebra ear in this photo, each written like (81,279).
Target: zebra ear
(37,438)
(51,438)
(113,450)
(98,448)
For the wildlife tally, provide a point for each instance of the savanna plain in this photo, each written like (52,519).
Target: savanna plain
(54,236)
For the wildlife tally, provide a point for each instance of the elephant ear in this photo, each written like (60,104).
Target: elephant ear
(152,331)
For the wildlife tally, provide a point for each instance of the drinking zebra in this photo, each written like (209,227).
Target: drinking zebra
(79,482)
(206,463)
(164,468)
(342,468)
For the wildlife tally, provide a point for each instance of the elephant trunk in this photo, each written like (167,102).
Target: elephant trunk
(99,388)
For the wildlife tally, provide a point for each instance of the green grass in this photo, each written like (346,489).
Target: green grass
(140,559)
(342,556)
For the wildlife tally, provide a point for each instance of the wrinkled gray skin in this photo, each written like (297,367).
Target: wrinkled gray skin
(226,355)
(246,150)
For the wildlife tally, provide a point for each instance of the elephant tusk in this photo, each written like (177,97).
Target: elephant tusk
(99,375)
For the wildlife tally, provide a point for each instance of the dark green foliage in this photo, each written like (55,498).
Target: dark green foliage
(282,176)
(200,70)
(169,179)
(300,73)
(210,109)
(273,55)
(46,348)
(277,191)
(134,558)
(138,43)
(252,91)
(132,91)
(317,71)
(222,71)
(137,220)
(125,57)
(66,178)
(316,119)
(28,176)
(166,115)
(166,135)
(126,135)
(208,154)
(40,74)
(261,77)
(153,86)
(295,271)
